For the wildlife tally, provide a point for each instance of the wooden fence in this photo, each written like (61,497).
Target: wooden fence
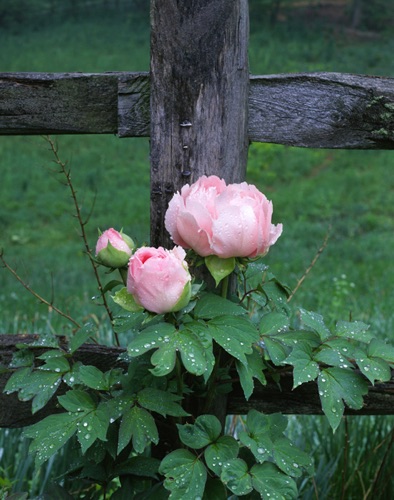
(201,109)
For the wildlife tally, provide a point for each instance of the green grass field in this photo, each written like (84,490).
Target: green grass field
(350,193)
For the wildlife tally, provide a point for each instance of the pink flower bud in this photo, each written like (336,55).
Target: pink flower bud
(114,249)
(159,279)
(227,221)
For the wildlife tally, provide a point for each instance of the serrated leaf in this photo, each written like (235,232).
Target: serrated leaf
(93,426)
(17,380)
(185,475)
(47,386)
(38,385)
(151,338)
(253,369)
(126,300)
(139,426)
(22,358)
(329,356)
(275,349)
(277,294)
(316,322)
(235,334)
(162,402)
(274,322)
(93,377)
(62,427)
(57,364)
(211,306)
(83,335)
(379,349)
(76,401)
(271,483)
(235,475)
(195,351)
(337,385)
(371,365)
(355,330)
(219,452)
(290,459)
(305,368)
(261,433)
(205,430)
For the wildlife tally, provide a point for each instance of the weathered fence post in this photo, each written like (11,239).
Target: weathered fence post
(199,93)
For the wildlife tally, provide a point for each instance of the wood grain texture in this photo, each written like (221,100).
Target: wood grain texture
(199,90)
(322,110)
(319,110)
(270,398)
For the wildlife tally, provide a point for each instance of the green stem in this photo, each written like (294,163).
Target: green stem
(225,282)
(123,275)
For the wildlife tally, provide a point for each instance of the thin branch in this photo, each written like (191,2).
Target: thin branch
(67,173)
(35,294)
(311,265)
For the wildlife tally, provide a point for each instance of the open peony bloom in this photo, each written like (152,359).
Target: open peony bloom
(227,221)
(159,279)
(114,249)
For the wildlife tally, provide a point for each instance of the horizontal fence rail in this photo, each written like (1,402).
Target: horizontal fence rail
(315,110)
(271,398)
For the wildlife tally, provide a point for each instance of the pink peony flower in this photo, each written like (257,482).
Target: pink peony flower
(159,279)
(227,221)
(114,249)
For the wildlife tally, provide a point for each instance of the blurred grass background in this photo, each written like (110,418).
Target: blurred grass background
(351,192)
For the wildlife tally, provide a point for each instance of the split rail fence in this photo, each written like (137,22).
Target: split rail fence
(201,109)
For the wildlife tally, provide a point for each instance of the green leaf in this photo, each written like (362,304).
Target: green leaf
(371,362)
(305,369)
(17,380)
(355,330)
(219,268)
(379,349)
(185,475)
(93,377)
(37,385)
(290,459)
(235,334)
(274,322)
(334,357)
(126,300)
(62,427)
(21,358)
(215,490)
(138,466)
(162,402)
(93,426)
(261,433)
(83,335)
(56,362)
(76,401)
(314,321)
(235,475)
(253,369)
(204,431)
(219,452)
(195,351)
(151,338)
(337,385)
(139,426)
(271,483)
(210,306)
(47,385)
(276,350)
